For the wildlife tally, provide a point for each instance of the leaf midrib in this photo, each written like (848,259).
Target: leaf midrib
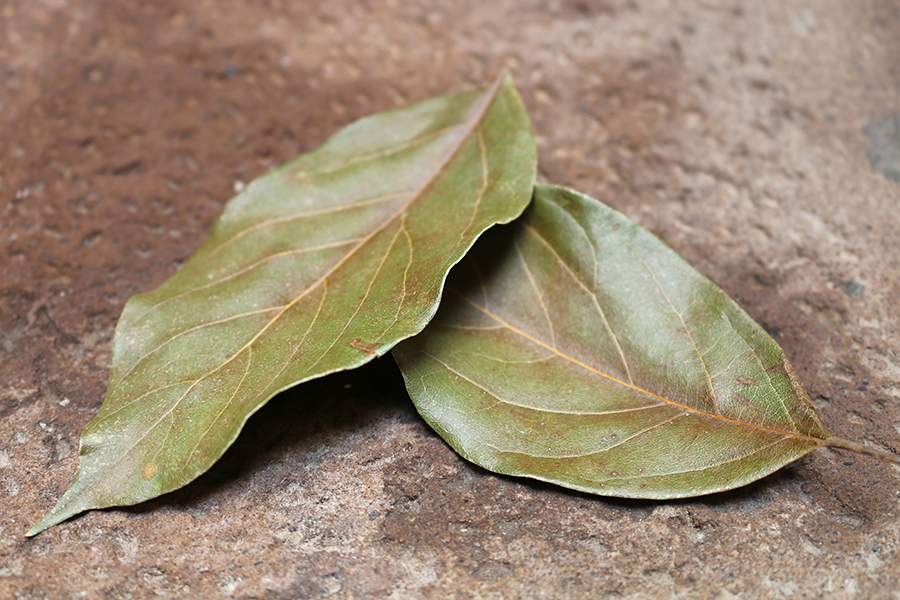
(688,408)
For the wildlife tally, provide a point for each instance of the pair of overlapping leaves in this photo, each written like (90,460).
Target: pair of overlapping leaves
(571,346)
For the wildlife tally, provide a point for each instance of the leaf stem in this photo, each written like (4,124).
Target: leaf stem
(859,448)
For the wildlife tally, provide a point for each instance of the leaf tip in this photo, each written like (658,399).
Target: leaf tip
(39,527)
(49,520)
(64,509)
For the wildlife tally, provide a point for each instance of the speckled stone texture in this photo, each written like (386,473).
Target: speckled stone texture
(760,139)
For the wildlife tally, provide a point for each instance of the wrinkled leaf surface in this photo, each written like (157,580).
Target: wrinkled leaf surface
(575,347)
(318,266)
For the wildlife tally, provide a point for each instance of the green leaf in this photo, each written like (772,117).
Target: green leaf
(318,266)
(575,347)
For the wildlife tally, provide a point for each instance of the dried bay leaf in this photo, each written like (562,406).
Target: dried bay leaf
(318,266)
(575,347)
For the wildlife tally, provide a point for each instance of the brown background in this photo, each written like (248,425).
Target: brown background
(760,139)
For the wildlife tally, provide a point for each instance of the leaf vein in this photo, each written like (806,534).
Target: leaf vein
(670,473)
(299,345)
(293,217)
(124,376)
(365,297)
(409,263)
(535,408)
(712,389)
(591,293)
(537,292)
(787,412)
(584,454)
(213,422)
(626,384)
(380,153)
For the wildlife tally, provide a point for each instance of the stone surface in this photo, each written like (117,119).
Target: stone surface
(737,131)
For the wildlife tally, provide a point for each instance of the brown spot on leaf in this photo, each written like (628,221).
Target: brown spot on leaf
(749,403)
(366,347)
(149,471)
(783,366)
(745,381)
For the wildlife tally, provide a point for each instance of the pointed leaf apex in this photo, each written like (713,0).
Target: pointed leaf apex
(54,517)
(67,507)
